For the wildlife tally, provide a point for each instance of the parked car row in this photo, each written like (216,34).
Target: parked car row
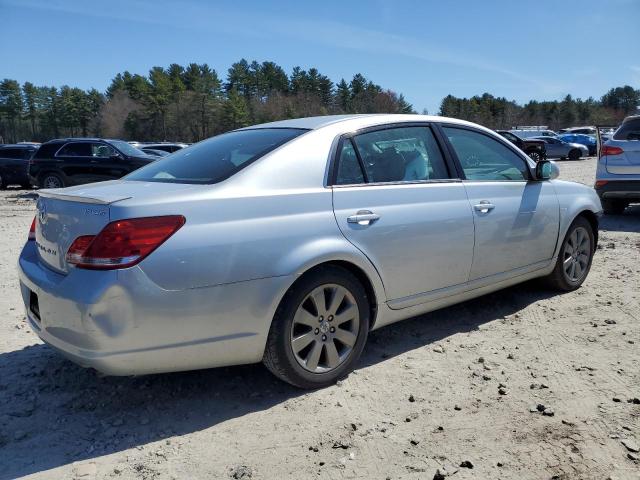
(73,161)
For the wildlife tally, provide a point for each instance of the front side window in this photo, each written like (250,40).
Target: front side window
(76,149)
(401,154)
(216,159)
(101,150)
(484,158)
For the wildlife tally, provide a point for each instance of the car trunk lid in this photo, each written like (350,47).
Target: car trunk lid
(62,218)
(68,213)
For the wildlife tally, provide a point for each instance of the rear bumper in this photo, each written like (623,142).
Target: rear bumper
(620,189)
(122,323)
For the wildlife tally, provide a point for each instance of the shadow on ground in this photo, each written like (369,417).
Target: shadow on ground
(53,413)
(629,221)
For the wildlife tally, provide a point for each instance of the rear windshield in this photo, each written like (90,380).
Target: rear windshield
(629,130)
(215,159)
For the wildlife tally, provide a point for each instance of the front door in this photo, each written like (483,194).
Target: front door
(516,218)
(395,200)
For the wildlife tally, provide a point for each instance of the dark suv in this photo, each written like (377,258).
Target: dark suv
(14,164)
(534,148)
(74,161)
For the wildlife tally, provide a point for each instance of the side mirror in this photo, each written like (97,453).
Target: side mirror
(543,170)
(116,156)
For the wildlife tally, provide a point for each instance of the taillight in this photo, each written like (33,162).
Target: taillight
(123,243)
(610,150)
(32,230)
(601,183)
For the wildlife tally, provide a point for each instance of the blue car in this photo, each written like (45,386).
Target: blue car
(586,140)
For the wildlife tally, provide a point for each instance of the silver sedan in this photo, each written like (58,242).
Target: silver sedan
(288,242)
(558,148)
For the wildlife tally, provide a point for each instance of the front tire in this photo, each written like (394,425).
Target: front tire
(576,255)
(319,329)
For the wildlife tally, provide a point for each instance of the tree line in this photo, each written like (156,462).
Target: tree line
(191,103)
(499,113)
(185,103)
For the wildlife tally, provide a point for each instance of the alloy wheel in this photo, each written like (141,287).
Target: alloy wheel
(51,181)
(577,252)
(535,156)
(325,328)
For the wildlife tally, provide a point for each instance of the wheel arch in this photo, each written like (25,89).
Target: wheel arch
(592,218)
(348,258)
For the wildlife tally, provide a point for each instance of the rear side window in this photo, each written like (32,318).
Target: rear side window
(47,150)
(11,153)
(349,170)
(629,130)
(484,158)
(402,154)
(216,159)
(78,149)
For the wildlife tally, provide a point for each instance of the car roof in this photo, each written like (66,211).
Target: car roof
(18,145)
(355,121)
(83,139)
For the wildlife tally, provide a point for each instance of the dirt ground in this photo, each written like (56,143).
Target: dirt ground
(450,391)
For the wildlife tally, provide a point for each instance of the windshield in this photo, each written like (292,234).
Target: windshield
(217,158)
(127,149)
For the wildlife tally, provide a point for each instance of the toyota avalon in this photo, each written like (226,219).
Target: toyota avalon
(288,242)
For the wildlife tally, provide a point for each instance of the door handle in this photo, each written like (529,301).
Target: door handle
(484,206)
(363,217)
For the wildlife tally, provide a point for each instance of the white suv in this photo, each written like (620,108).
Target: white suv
(618,172)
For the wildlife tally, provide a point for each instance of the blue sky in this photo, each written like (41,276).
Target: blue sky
(522,50)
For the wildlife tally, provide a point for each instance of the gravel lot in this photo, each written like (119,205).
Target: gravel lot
(449,391)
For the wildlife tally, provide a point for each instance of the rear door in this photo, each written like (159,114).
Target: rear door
(516,218)
(555,148)
(627,138)
(396,200)
(76,162)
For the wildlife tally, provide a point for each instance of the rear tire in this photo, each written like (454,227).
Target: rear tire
(575,257)
(613,207)
(305,344)
(575,154)
(51,180)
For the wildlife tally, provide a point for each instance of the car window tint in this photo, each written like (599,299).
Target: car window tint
(349,170)
(484,158)
(77,149)
(217,158)
(101,150)
(401,154)
(10,153)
